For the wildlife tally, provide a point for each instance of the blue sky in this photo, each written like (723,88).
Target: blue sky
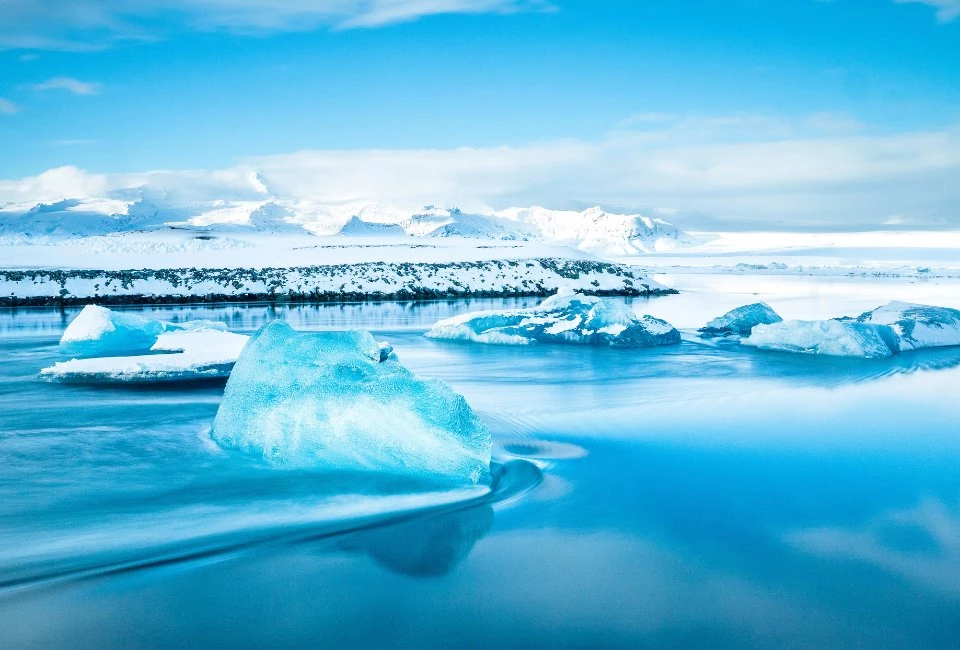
(113,86)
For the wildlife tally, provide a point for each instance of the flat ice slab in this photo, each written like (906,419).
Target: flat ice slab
(834,338)
(742,320)
(179,356)
(100,332)
(917,326)
(563,318)
(342,401)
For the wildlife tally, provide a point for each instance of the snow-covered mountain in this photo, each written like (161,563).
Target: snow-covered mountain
(594,230)
(601,232)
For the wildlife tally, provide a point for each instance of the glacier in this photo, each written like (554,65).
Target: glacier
(100,332)
(741,321)
(342,401)
(831,337)
(566,317)
(917,326)
(181,355)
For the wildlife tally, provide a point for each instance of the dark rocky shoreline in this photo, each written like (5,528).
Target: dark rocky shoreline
(323,284)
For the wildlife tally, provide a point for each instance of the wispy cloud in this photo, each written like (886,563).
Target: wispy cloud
(947,10)
(70,84)
(94,24)
(7,107)
(807,178)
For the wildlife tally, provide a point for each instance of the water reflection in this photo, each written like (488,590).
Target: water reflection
(47,321)
(920,544)
(427,546)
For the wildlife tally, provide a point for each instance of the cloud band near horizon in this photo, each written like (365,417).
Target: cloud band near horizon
(805,180)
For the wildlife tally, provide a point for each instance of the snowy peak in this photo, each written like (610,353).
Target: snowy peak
(604,233)
(357,227)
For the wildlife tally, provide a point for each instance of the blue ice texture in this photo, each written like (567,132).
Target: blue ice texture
(342,401)
(567,317)
(100,332)
(887,330)
(741,321)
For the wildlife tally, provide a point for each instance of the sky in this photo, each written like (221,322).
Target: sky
(735,113)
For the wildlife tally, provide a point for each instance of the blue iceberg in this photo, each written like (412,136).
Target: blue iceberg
(563,318)
(741,321)
(917,326)
(99,332)
(342,401)
(833,337)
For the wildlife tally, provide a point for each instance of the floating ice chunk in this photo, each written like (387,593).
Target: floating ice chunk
(99,332)
(917,326)
(563,318)
(191,354)
(335,400)
(835,338)
(386,351)
(742,320)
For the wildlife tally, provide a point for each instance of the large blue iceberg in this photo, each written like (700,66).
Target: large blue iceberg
(833,338)
(342,401)
(741,321)
(563,318)
(99,332)
(917,326)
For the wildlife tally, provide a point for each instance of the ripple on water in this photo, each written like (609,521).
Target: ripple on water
(184,533)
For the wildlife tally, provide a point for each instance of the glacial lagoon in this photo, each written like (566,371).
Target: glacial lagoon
(680,496)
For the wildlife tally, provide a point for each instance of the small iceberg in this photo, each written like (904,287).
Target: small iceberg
(342,401)
(564,318)
(741,321)
(834,338)
(917,326)
(177,356)
(100,332)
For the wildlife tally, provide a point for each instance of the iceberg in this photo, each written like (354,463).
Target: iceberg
(99,332)
(917,326)
(342,401)
(179,355)
(835,338)
(564,318)
(741,321)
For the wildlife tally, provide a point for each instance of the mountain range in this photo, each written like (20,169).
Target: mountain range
(594,230)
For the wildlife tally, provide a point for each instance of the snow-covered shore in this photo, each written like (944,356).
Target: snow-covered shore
(323,283)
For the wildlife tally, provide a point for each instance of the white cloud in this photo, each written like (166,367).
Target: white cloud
(947,10)
(94,24)
(692,165)
(70,84)
(7,107)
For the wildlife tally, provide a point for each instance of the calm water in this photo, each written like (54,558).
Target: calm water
(681,497)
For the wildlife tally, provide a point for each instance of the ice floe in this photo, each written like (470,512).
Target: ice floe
(887,330)
(100,332)
(342,401)
(178,355)
(832,337)
(917,326)
(742,320)
(564,318)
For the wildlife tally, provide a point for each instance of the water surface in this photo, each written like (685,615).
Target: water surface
(691,496)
